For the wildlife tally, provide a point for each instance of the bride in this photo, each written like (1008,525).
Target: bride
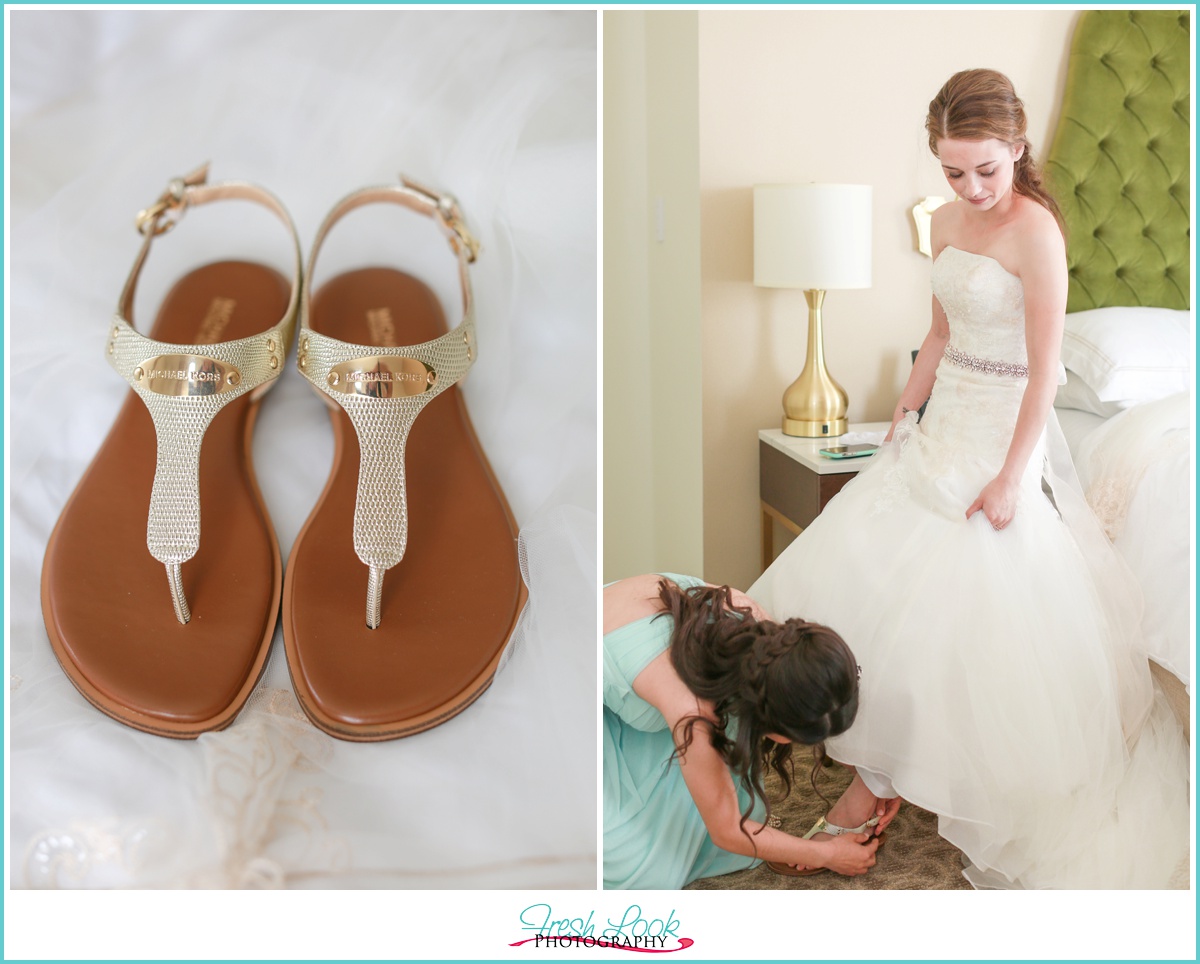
(1003,687)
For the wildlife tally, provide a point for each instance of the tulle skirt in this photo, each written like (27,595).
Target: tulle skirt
(1002,687)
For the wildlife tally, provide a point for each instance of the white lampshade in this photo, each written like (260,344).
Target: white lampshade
(813,236)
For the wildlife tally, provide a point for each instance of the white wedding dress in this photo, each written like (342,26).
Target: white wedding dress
(1004,686)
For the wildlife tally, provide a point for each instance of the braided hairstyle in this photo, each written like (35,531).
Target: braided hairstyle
(796,679)
(977,105)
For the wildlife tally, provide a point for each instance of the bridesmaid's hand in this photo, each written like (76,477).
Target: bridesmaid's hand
(850,854)
(998,501)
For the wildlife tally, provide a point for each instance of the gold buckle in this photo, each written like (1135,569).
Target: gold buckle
(165,213)
(450,214)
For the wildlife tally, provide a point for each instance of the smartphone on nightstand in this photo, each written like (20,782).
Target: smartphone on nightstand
(848,451)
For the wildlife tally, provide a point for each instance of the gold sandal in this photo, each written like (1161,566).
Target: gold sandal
(178,656)
(374,658)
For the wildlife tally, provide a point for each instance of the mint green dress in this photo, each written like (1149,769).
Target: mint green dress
(654,837)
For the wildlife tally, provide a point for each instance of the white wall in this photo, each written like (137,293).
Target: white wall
(835,96)
(653,510)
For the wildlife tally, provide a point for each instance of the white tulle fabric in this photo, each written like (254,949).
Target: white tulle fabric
(1004,686)
(498,107)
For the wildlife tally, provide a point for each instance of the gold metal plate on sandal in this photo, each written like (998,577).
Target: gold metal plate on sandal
(382,376)
(187,375)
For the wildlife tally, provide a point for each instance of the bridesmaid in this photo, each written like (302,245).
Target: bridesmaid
(702,691)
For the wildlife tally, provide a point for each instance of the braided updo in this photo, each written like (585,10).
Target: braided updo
(796,679)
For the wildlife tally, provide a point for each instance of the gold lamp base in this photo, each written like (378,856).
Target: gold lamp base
(801,429)
(815,406)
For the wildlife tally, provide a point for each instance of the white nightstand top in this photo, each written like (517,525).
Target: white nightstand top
(807,450)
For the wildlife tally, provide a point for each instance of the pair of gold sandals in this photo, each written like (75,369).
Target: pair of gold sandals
(165,624)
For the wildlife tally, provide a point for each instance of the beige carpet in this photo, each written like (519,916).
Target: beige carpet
(913,857)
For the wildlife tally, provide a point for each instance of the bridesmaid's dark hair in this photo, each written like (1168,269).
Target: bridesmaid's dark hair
(796,679)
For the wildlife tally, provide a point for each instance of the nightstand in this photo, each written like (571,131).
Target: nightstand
(795,482)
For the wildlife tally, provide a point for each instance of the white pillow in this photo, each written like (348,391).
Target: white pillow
(1130,355)
(1077,394)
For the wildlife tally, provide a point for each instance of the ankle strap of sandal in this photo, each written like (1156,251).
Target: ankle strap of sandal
(193,190)
(440,206)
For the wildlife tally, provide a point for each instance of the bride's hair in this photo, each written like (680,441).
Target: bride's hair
(976,105)
(796,679)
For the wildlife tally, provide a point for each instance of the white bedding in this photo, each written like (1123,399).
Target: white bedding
(498,107)
(1076,425)
(1135,468)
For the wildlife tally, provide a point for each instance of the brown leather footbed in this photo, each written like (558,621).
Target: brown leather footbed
(106,600)
(450,605)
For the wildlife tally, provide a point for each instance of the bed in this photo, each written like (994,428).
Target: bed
(1120,167)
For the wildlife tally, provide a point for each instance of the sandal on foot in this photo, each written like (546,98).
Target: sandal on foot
(823,826)
(159,623)
(377,647)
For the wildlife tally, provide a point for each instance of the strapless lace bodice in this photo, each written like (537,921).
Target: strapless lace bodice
(984,304)
(963,438)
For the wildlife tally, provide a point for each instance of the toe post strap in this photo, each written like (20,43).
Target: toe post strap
(175,580)
(374,596)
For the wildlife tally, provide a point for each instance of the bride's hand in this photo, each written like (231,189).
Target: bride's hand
(998,501)
(886,809)
(897,418)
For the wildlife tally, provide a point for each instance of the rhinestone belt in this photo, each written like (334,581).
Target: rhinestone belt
(963,360)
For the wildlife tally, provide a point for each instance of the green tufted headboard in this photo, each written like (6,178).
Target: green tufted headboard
(1120,166)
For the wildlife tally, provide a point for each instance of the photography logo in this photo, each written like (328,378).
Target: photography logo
(634,931)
